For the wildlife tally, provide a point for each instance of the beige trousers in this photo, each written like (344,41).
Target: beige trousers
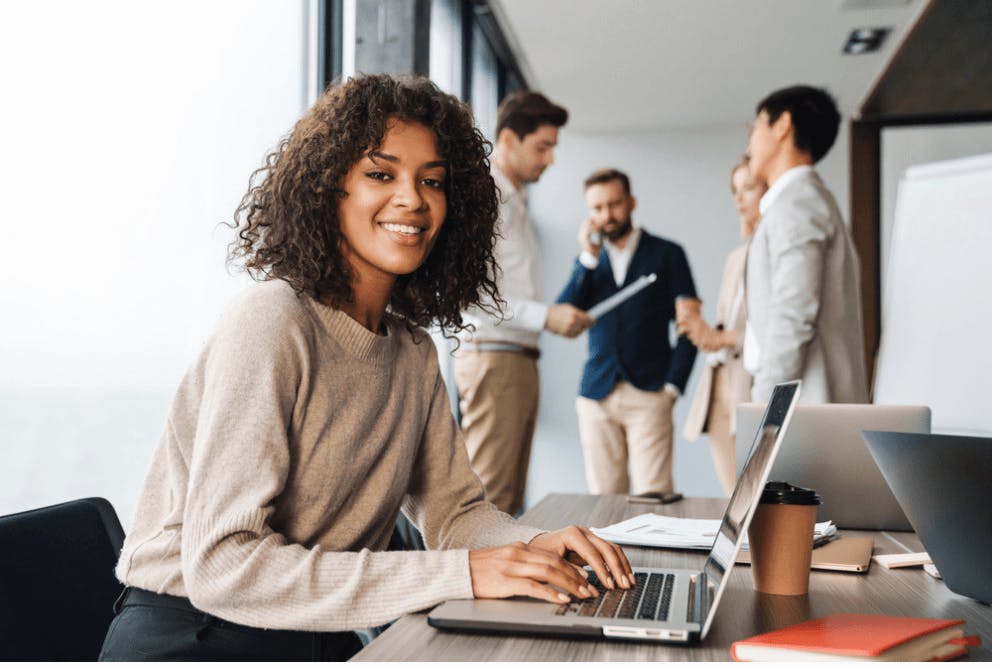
(719,428)
(498,397)
(628,435)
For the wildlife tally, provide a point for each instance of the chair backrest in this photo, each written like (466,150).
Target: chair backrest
(57,581)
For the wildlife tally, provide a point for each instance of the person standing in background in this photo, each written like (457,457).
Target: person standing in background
(633,376)
(725,382)
(496,372)
(803,289)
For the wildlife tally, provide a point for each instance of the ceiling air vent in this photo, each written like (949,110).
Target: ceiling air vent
(865,40)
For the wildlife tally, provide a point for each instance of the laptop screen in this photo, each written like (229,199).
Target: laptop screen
(746,495)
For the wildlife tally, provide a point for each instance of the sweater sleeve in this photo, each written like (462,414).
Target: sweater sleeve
(446,500)
(234,564)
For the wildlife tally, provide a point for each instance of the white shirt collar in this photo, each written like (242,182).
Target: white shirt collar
(631,241)
(620,258)
(786,179)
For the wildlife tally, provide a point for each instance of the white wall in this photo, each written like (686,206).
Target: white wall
(680,181)
(125,145)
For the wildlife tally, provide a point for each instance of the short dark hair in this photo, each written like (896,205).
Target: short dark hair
(525,111)
(814,117)
(288,226)
(606,176)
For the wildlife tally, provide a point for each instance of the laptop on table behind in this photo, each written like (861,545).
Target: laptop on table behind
(945,486)
(665,605)
(824,451)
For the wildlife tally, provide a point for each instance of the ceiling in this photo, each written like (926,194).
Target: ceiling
(630,65)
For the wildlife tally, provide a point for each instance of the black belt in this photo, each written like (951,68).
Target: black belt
(532,352)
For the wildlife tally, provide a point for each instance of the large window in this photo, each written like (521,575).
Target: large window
(485,88)
(446,45)
(129,132)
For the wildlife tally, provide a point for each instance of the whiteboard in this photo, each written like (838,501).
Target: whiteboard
(936,346)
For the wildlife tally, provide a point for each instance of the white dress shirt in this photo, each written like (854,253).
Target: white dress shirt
(619,258)
(751,346)
(519,279)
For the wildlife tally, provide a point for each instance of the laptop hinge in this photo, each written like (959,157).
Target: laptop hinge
(697,598)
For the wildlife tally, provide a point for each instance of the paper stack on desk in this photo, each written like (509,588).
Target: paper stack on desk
(654,530)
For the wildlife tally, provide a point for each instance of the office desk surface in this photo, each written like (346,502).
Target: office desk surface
(742,613)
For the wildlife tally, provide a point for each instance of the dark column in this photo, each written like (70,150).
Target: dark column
(331,42)
(865,191)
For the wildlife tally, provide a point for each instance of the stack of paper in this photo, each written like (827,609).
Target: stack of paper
(654,530)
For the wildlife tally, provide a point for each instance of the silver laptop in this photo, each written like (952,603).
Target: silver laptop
(824,451)
(944,483)
(665,605)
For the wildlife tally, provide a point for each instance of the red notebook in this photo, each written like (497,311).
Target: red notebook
(859,637)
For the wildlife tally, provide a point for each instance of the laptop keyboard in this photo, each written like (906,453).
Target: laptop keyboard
(649,599)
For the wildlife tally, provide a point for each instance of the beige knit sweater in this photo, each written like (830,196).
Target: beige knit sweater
(291,445)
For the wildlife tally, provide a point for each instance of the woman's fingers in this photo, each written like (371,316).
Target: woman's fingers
(601,554)
(607,560)
(519,569)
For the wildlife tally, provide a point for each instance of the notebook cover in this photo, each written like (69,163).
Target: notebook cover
(862,635)
(844,554)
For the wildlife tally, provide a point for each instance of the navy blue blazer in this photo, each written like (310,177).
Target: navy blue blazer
(632,342)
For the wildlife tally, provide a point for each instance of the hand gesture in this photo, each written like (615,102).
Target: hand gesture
(704,336)
(566,320)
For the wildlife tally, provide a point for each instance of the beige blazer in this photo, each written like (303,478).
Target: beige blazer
(803,297)
(739,379)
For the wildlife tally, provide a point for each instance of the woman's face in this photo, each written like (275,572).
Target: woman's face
(395,204)
(747,192)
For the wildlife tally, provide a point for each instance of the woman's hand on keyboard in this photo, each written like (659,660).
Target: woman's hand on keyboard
(578,545)
(522,569)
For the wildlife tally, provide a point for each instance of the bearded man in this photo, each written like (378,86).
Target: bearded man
(633,376)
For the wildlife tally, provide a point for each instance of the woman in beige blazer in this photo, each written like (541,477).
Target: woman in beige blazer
(724,382)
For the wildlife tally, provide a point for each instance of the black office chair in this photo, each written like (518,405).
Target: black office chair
(57,581)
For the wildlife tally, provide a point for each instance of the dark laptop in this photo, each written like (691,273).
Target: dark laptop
(665,605)
(944,484)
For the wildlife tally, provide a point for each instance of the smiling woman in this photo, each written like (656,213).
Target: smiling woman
(316,411)
(293,221)
(392,209)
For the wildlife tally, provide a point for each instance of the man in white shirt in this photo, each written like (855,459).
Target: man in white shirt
(803,290)
(496,373)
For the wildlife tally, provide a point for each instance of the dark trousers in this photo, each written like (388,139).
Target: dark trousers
(148,626)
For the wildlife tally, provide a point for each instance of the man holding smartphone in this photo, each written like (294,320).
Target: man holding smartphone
(633,375)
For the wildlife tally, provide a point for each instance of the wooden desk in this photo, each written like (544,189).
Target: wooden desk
(742,612)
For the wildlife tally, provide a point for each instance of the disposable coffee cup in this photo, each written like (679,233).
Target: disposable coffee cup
(781,539)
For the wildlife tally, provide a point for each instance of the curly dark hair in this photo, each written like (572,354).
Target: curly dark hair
(287,222)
